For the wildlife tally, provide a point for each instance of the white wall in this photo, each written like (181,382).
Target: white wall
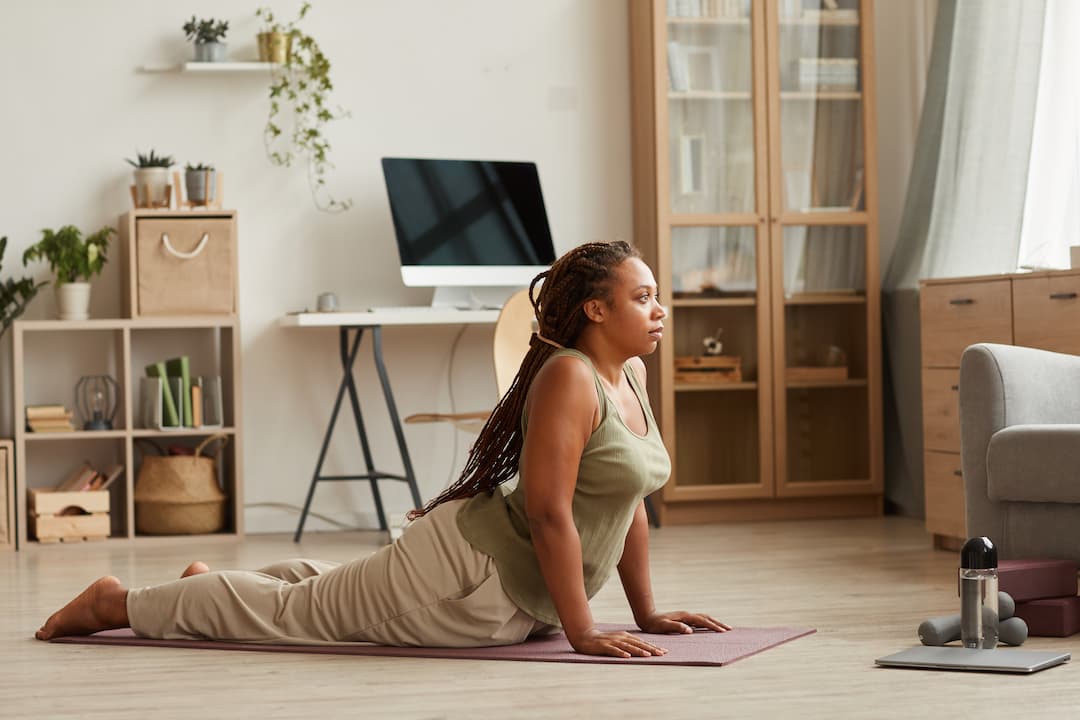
(499,79)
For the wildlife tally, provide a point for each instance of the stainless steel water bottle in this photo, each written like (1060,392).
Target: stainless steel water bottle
(978,594)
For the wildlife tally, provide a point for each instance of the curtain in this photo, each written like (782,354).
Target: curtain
(965,197)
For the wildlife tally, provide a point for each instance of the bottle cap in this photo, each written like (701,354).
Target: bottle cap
(978,553)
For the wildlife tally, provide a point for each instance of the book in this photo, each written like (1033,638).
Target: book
(196,406)
(78,480)
(213,414)
(176,387)
(170,417)
(41,412)
(110,476)
(180,367)
(150,400)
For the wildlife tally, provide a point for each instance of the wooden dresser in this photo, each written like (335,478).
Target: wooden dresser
(1040,310)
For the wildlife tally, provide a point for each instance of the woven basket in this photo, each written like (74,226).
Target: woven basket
(179,494)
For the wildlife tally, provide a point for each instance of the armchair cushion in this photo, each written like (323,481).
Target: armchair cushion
(1034,463)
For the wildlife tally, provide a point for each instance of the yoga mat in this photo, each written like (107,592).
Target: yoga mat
(700,648)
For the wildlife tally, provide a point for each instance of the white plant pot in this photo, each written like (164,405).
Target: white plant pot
(151,186)
(73,300)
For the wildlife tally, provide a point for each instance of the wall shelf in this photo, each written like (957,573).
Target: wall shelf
(208,68)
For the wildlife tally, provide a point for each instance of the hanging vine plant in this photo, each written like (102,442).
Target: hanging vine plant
(300,108)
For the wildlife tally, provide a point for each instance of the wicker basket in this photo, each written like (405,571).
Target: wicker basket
(179,494)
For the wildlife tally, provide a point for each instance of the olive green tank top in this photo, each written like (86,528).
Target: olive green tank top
(618,468)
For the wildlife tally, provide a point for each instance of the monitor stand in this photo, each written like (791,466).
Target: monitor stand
(465,297)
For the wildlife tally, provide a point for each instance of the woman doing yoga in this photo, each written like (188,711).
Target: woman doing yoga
(479,566)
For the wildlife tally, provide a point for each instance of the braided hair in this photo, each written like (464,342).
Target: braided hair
(585,273)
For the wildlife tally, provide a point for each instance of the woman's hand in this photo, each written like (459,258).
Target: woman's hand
(680,621)
(617,644)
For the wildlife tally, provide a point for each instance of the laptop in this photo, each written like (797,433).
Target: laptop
(976,660)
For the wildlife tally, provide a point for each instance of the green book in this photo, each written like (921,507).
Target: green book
(180,367)
(158,370)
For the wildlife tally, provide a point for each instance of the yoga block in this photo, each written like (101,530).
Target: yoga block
(68,516)
(1037,579)
(1051,617)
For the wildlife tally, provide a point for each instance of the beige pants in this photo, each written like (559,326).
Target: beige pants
(430,588)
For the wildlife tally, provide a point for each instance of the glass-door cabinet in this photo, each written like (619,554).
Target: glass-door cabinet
(754,203)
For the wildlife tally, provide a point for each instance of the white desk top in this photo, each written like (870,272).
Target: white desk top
(369,318)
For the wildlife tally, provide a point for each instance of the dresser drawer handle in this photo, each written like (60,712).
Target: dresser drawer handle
(1063,296)
(957,473)
(962,301)
(954,387)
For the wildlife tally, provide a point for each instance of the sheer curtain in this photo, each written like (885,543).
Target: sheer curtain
(1052,206)
(965,198)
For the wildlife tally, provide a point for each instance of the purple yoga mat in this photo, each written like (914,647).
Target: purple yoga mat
(701,648)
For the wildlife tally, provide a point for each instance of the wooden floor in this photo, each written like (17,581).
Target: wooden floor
(864,584)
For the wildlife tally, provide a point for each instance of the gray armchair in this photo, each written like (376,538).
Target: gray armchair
(1020,449)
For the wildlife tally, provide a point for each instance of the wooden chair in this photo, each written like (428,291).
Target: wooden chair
(515,326)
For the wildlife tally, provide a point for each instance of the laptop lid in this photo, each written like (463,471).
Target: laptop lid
(976,660)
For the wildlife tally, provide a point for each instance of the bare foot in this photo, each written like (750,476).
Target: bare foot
(102,606)
(196,568)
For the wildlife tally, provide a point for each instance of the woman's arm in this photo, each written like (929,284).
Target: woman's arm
(563,410)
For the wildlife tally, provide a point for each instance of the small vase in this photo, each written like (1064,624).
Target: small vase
(201,186)
(274,47)
(151,187)
(73,300)
(210,52)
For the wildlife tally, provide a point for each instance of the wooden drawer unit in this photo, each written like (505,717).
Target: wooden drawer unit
(944,496)
(1046,312)
(961,314)
(941,409)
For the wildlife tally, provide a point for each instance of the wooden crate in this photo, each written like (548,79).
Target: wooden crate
(708,369)
(52,519)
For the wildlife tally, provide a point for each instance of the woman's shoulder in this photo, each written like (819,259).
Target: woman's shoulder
(563,373)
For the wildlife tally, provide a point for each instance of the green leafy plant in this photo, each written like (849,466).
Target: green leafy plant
(199,167)
(151,160)
(70,257)
(205,31)
(15,295)
(302,85)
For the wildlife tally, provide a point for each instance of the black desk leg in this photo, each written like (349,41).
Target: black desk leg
(348,358)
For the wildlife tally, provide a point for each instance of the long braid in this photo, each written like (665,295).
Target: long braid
(583,274)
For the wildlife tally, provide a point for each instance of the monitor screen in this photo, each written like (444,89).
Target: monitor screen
(468,222)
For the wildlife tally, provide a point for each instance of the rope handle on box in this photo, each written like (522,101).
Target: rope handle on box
(185,255)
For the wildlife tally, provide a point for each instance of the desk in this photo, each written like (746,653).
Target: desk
(355,323)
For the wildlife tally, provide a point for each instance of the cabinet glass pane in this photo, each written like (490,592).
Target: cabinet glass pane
(713,262)
(710,114)
(824,259)
(821,130)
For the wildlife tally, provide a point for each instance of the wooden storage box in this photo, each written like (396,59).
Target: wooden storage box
(182,264)
(49,524)
(708,369)
(824,373)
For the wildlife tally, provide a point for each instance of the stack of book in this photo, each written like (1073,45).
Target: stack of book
(173,398)
(838,74)
(86,477)
(48,418)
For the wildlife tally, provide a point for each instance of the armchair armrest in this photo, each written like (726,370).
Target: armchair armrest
(1034,463)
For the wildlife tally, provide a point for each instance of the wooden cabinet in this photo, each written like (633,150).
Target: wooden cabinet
(1040,310)
(755,204)
(50,356)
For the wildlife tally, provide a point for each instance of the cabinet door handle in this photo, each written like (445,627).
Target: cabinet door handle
(962,301)
(957,473)
(185,255)
(1063,296)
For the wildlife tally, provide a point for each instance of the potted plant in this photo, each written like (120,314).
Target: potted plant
(302,86)
(14,294)
(151,179)
(274,41)
(207,35)
(201,183)
(73,262)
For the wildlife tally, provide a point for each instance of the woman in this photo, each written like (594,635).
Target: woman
(479,566)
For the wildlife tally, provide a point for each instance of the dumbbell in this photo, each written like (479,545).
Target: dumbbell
(946,628)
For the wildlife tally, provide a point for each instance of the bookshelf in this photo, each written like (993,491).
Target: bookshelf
(753,139)
(51,355)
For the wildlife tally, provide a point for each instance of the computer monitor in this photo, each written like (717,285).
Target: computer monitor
(476,230)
